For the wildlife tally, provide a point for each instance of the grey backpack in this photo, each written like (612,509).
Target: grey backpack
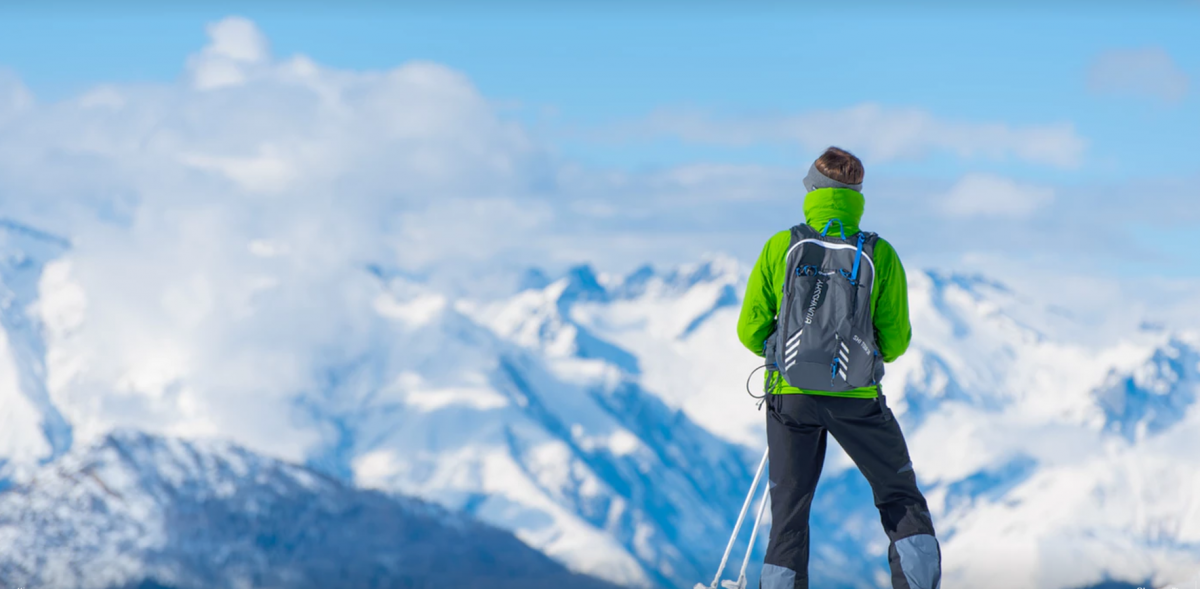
(824,338)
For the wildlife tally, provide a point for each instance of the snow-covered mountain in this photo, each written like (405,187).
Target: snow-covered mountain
(425,400)
(1050,460)
(570,452)
(136,510)
(603,419)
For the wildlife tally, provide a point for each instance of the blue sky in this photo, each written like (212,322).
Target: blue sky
(591,67)
(646,91)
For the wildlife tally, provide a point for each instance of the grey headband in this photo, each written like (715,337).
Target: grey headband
(815,179)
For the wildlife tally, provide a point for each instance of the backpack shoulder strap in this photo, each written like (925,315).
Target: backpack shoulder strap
(803,231)
(800,234)
(870,239)
(867,241)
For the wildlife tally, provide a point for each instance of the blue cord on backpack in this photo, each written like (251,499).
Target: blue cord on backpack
(857,258)
(841,228)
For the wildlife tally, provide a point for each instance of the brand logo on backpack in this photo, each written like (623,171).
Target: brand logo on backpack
(817,298)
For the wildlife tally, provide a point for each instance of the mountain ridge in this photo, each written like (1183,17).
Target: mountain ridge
(135,510)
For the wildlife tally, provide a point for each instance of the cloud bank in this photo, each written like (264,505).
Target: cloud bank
(981,195)
(879,133)
(223,226)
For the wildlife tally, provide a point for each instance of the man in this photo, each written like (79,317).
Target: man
(827,305)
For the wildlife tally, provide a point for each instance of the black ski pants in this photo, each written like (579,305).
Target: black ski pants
(797,428)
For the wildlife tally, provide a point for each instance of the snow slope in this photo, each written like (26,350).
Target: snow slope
(573,456)
(136,511)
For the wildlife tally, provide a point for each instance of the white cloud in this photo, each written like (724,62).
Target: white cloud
(237,39)
(235,46)
(267,171)
(1146,72)
(876,132)
(223,226)
(15,98)
(987,195)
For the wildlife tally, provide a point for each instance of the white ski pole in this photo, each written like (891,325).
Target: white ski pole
(762,507)
(741,517)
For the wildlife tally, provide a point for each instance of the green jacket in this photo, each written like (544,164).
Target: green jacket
(889,295)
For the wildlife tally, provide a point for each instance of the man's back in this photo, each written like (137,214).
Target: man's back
(889,293)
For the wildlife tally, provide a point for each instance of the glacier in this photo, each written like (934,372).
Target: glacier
(603,419)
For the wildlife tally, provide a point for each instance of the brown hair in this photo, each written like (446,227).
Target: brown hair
(840,165)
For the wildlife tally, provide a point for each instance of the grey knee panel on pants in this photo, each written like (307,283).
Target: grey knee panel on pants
(777,577)
(914,555)
(920,561)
